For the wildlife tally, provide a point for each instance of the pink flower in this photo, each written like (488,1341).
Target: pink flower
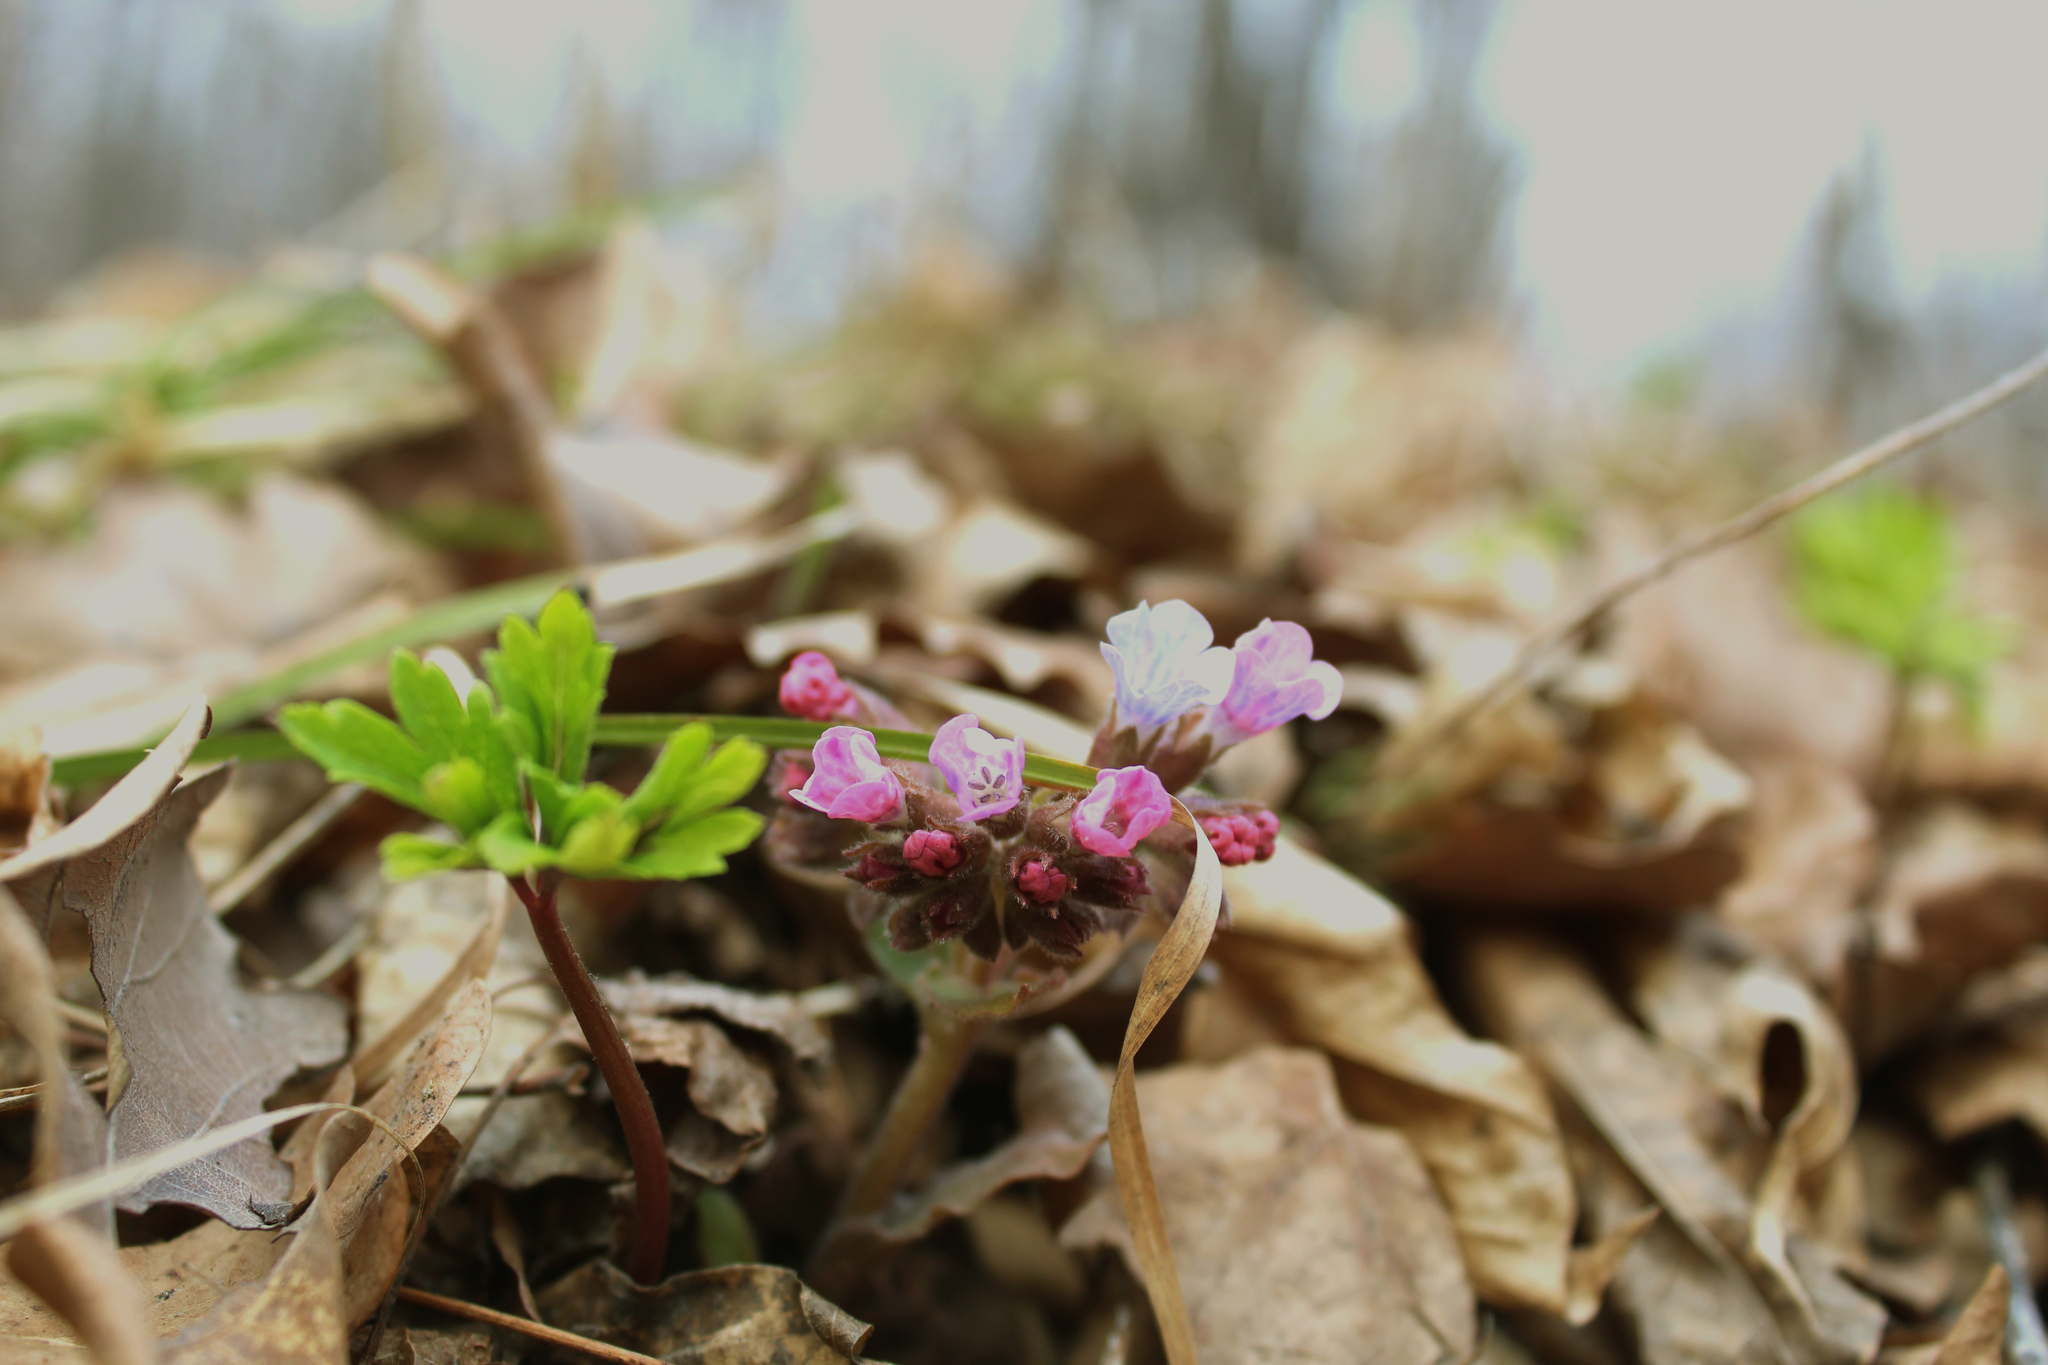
(1275,677)
(985,773)
(1041,881)
(813,689)
(1126,805)
(850,781)
(932,851)
(1241,837)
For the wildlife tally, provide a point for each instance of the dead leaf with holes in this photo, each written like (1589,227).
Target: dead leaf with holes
(1299,1233)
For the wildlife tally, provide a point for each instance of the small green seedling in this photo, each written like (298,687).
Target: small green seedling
(1879,571)
(503,768)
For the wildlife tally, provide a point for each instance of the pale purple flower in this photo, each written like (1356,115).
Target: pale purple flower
(1166,663)
(985,773)
(850,781)
(1275,677)
(1126,805)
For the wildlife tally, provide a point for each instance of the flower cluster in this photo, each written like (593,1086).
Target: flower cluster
(962,847)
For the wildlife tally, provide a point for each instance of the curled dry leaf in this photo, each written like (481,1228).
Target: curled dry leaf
(781,1016)
(1274,1198)
(30,873)
(1807,854)
(1776,1295)
(201,1048)
(732,1093)
(1062,1117)
(70,1134)
(1964,893)
(1335,965)
(735,1315)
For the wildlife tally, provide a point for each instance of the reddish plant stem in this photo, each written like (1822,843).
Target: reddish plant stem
(615,1063)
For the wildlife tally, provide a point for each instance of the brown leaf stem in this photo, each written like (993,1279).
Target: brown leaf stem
(538,1331)
(629,1093)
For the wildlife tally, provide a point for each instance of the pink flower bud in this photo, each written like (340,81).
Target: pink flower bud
(813,690)
(1275,677)
(1126,805)
(1241,838)
(850,781)
(933,852)
(1041,881)
(985,773)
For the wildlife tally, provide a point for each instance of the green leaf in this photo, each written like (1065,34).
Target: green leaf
(506,846)
(693,848)
(424,698)
(689,778)
(355,744)
(1879,570)
(458,794)
(407,856)
(553,674)
(598,843)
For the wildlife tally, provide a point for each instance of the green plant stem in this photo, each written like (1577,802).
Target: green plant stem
(945,1042)
(615,1063)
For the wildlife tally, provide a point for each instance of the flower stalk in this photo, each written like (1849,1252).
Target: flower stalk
(644,1143)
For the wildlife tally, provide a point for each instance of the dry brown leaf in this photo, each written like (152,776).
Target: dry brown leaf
(70,1134)
(1719,645)
(735,1315)
(1276,1200)
(781,1016)
(1978,1336)
(1335,965)
(79,1274)
(1807,855)
(1964,893)
(293,1315)
(1987,1078)
(732,1093)
(1707,995)
(24,788)
(1062,1118)
(201,1049)
(474,962)
(1647,1106)
(125,804)
(423,932)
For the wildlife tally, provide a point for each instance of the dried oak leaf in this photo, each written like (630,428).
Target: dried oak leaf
(734,1315)
(780,1016)
(200,1047)
(1275,1199)
(732,1092)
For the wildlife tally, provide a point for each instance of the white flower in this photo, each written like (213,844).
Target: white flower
(1164,663)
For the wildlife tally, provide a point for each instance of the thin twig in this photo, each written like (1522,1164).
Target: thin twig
(1849,468)
(2026,1342)
(539,1332)
(291,842)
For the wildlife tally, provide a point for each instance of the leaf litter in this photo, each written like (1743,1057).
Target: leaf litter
(1663,1007)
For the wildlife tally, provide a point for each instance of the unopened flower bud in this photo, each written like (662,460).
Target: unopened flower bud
(1039,880)
(1241,837)
(933,852)
(813,690)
